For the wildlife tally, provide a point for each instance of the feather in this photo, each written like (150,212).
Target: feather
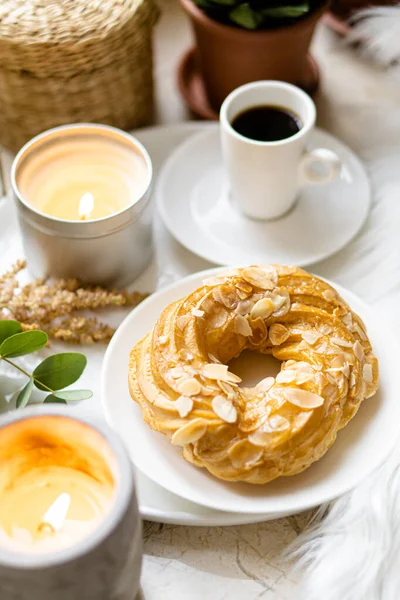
(376,33)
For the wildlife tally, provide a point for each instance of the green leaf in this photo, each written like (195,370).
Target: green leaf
(23,343)
(25,394)
(286,11)
(244,16)
(74,395)
(60,370)
(51,399)
(9,328)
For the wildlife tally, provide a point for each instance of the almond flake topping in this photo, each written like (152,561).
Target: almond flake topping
(311,336)
(338,362)
(220,372)
(329,294)
(331,379)
(183,321)
(278,334)
(304,345)
(177,372)
(279,302)
(358,351)
(184,404)
(228,390)
(286,376)
(242,326)
(325,329)
(340,342)
(244,307)
(303,399)
(264,278)
(347,319)
(213,358)
(367,373)
(322,349)
(244,287)
(197,313)
(352,380)
(264,385)
(189,387)
(185,354)
(277,423)
(262,436)
(217,295)
(262,309)
(360,332)
(224,409)
(190,432)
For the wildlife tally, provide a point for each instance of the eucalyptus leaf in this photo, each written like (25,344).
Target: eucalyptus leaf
(60,370)
(23,343)
(9,328)
(74,394)
(51,399)
(24,395)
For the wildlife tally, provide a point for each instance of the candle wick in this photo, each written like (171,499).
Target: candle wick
(55,516)
(46,528)
(86,206)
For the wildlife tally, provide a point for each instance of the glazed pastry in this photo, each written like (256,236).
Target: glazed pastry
(178,373)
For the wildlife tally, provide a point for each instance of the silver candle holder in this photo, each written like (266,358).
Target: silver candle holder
(101,565)
(110,251)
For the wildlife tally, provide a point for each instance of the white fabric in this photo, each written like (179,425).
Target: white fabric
(352,551)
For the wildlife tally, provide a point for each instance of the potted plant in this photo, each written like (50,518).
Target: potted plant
(239,42)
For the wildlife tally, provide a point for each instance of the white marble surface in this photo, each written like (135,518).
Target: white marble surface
(247,562)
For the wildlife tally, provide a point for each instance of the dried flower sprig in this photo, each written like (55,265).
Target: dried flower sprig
(56,307)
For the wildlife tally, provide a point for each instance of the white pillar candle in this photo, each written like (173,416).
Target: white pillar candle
(83,196)
(96,169)
(67,506)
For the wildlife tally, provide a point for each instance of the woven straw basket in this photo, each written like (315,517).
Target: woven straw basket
(70,61)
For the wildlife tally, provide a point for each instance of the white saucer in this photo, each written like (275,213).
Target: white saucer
(193,201)
(359,449)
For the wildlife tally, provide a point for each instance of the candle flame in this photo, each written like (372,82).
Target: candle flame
(86,206)
(54,517)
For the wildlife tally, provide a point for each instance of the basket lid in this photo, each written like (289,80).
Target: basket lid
(46,38)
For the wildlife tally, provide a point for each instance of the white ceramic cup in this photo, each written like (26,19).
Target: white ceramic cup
(265,177)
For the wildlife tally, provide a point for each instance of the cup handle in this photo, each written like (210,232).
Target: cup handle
(319,166)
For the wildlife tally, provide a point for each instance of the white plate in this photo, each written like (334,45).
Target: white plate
(359,449)
(194,203)
(155,503)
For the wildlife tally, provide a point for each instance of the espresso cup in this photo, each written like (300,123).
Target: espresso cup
(265,176)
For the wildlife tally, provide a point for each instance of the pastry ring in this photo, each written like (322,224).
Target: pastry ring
(179,374)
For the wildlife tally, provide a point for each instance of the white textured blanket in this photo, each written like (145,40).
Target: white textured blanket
(352,552)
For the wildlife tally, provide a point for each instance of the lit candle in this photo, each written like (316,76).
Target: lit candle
(84,204)
(66,495)
(96,171)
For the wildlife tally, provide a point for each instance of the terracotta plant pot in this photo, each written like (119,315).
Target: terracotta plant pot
(230,56)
